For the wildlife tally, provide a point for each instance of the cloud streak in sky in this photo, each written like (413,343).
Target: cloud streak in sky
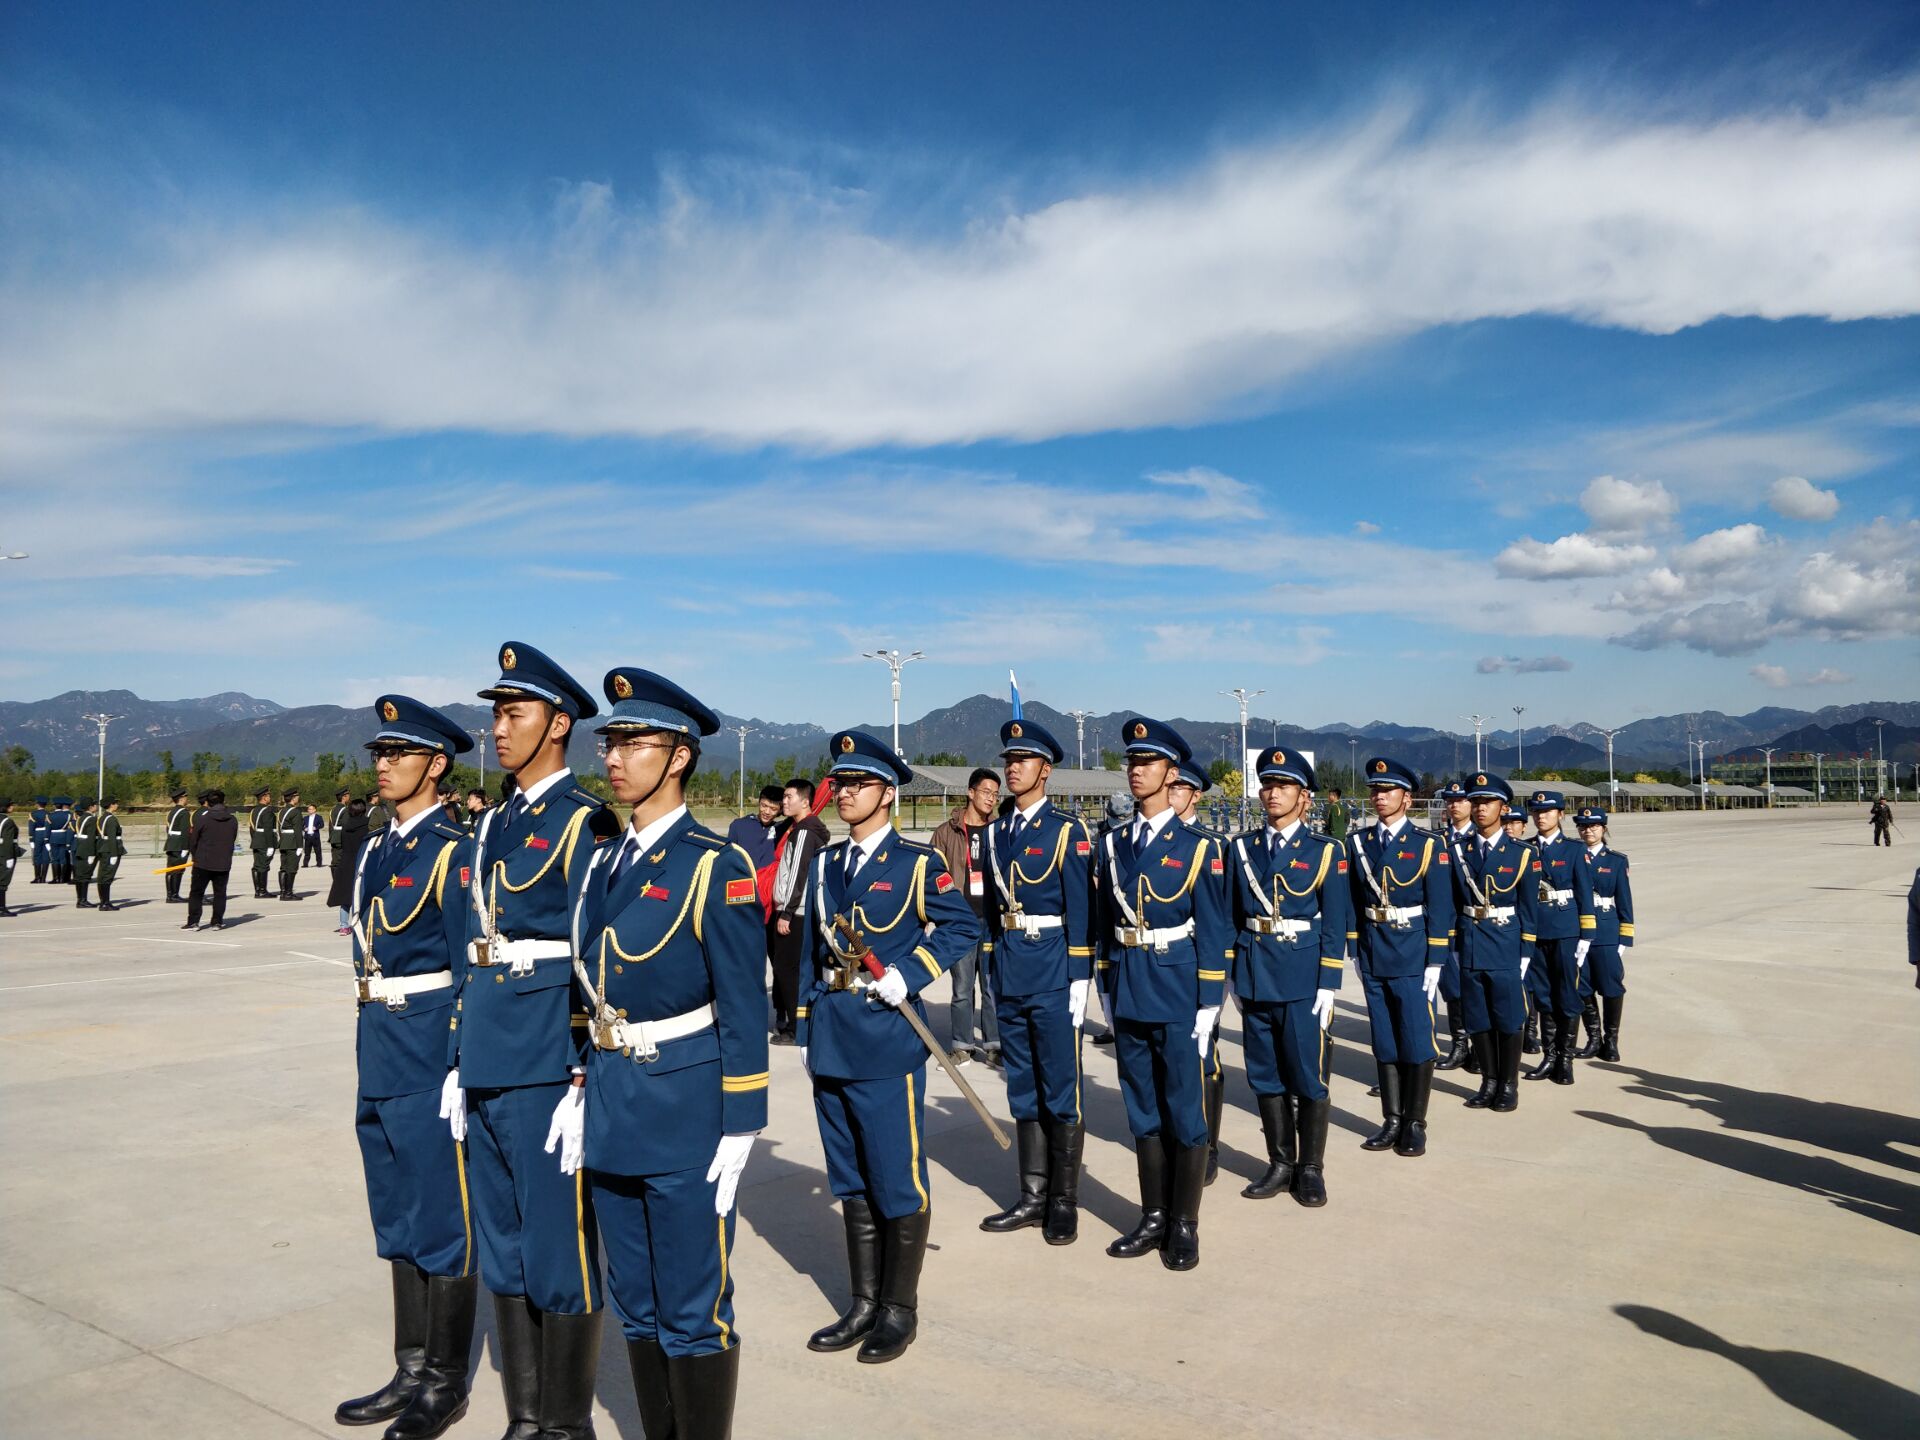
(789,319)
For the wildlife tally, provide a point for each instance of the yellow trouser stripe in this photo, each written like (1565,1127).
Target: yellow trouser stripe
(726,1330)
(466,1209)
(913,1133)
(580,1233)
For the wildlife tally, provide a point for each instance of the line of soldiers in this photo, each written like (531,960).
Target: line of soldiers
(562,1045)
(75,842)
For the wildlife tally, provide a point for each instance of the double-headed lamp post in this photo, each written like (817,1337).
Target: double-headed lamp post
(1521,733)
(1478,722)
(1819,778)
(1767,750)
(1243,695)
(100,784)
(1613,788)
(740,789)
(481,734)
(895,662)
(1080,718)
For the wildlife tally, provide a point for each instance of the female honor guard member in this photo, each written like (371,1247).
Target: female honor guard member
(875,892)
(409,948)
(1188,786)
(1165,940)
(60,840)
(1496,899)
(671,949)
(37,837)
(517,1056)
(1566,928)
(1040,940)
(1612,926)
(1403,907)
(1294,915)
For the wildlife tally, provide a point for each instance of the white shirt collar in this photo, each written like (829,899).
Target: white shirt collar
(1596,847)
(407,827)
(1282,837)
(533,792)
(1032,812)
(646,839)
(1154,826)
(872,843)
(1393,827)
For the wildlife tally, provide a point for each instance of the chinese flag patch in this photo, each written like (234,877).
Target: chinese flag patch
(1343,866)
(538,842)
(1443,857)
(466,875)
(1174,860)
(654,892)
(942,883)
(1217,865)
(1082,847)
(741,892)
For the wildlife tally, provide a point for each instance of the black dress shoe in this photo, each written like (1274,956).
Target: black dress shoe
(190,925)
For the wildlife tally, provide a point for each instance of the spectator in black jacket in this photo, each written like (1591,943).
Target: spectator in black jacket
(210,846)
(346,855)
(804,838)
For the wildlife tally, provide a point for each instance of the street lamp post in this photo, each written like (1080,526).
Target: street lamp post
(1353,766)
(1703,742)
(1819,780)
(1613,787)
(1767,750)
(1520,735)
(1478,722)
(740,789)
(1243,695)
(481,735)
(100,784)
(1080,718)
(896,662)
(1880,731)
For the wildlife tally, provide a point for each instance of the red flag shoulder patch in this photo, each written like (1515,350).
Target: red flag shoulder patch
(741,892)
(1343,866)
(1217,865)
(942,883)
(1443,858)
(1083,847)
(883,885)
(539,842)
(466,875)
(654,892)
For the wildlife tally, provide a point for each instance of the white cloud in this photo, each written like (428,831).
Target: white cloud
(1720,550)
(1798,498)
(1657,589)
(1844,599)
(1521,665)
(1828,676)
(1728,627)
(1775,676)
(809,313)
(1627,507)
(1365,527)
(1218,497)
(1570,557)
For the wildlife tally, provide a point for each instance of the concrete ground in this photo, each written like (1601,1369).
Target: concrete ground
(1716,1237)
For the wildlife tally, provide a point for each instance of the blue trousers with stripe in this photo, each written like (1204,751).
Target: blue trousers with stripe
(1287,1051)
(669,1259)
(1561,972)
(874,1134)
(1606,965)
(1162,1075)
(1450,976)
(537,1235)
(1041,1052)
(1399,1018)
(416,1183)
(1492,1000)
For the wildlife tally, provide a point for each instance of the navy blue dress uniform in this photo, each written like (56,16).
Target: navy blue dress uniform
(10,850)
(37,836)
(515,1040)
(869,1069)
(289,823)
(263,827)
(1566,919)
(174,843)
(1293,913)
(110,848)
(1165,935)
(1040,938)
(409,929)
(1497,903)
(1402,886)
(1459,1054)
(1612,931)
(60,840)
(671,945)
(1215,1095)
(86,849)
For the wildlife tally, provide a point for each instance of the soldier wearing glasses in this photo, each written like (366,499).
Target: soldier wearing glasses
(409,951)
(671,950)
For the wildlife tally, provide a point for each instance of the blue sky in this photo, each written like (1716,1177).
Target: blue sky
(1401,360)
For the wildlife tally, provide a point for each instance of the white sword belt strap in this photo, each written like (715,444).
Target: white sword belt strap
(1246,866)
(643,1038)
(1466,877)
(1366,868)
(1119,894)
(993,864)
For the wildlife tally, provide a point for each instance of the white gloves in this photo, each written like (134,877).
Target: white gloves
(1323,1007)
(803,1060)
(569,1129)
(1204,1020)
(1077,1002)
(1525,960)
(728,1161)
(1580,951)
(891,988)
(1430,982)
(453,1106)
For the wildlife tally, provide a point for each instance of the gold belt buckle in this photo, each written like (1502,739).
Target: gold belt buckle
(362,989)
(603,1030)
(483,952)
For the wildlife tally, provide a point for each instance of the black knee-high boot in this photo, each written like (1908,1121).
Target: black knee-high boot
(903,1250)
(409,1352)
(1150,1158)
(1276,1122)
(441,1397)
(1611,1006)
(863,1271)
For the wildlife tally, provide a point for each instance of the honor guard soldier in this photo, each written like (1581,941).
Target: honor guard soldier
(86,851)
(1516,823)
(1612,927)
(263,826)
(1040,938)
(1566,931)
(110,848)
(60,840)
(1294,915)
(1189,785)
(9,851)
(1166,937)
(1496,899)
(37,835)
(409,951)
(872,898)
(516,1087)
(336,826)
(1453,823)
(286,839)
(1402,883)
(671,948)
(174,838)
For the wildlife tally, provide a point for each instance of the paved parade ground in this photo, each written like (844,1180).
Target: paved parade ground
(1719,1236)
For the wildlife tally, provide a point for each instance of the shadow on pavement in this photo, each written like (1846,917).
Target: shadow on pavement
(1848,1129)
(1852,1401)
(1891,1202)
(801,1220)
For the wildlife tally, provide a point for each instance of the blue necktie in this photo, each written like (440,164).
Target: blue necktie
(622,862)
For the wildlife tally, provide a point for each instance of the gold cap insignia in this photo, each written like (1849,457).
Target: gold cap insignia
(1139,731)
(507,658)
(389,711)
(846,744)
(1014,730)
(1379,767)
(1279,757)
(622,687)
(1479,779)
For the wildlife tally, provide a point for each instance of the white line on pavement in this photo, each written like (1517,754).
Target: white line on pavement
(151,975)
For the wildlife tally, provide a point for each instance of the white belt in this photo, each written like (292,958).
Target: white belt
(1136,938)
(1030,925)
(1498,914)
(645,1037)
(1395,914)
(1560,897)
(1604,902)
(1261,925)
(517,955)
(392,990)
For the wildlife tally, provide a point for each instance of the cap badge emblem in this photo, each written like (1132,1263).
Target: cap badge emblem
(389,711)
(622,687)
(1139,730)
(846,744)
(507,658)
(1379,767)
(1015,731)
(1279,757)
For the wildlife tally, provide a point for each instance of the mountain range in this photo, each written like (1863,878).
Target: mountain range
(249,731)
